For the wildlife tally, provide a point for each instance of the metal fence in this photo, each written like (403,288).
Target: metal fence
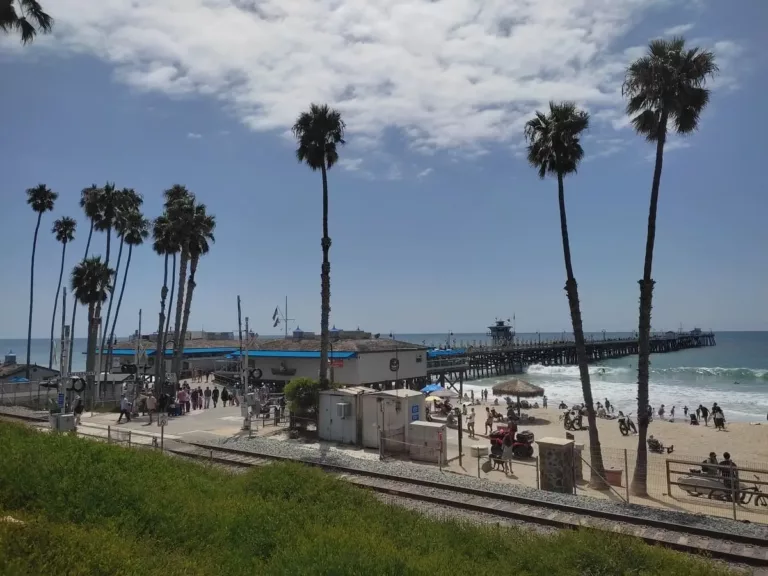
(687,483)
(43,395)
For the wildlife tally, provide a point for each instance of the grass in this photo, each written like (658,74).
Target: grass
(95,509)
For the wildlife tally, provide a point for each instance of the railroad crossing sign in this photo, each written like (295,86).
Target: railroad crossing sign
(170,377)
(162,420)
(394,364)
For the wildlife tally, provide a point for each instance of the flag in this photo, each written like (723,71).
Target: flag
(277,323)
(274,316)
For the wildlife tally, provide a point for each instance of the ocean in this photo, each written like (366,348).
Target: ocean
(734,373)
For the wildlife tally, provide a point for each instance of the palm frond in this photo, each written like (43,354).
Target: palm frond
(554,139)
(64,229)
(41,198)
(90,281)
(319,132)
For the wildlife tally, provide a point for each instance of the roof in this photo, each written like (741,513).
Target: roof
(350,391)
(359,345)
(401,393)
(295,354)
(11,369)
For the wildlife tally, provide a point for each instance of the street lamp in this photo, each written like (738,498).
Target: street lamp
(397,360)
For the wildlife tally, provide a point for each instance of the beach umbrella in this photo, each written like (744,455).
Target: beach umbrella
(444,393)
(431,399)
(519,389)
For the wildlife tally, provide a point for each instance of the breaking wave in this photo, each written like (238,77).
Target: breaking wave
(682,372)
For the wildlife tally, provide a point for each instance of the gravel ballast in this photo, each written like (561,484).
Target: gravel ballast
(293,450)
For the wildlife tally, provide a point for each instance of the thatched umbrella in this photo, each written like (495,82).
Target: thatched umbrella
(519,389)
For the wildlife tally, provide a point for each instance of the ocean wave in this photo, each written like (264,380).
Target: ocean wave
(573,371)
(731,374)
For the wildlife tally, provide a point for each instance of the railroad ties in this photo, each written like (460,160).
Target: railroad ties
(485,362)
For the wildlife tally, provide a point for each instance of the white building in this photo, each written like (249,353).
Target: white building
(351,361)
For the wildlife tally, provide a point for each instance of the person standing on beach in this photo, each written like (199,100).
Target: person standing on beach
(471,423)
(672,414)
(488,420)
(704,414)
(544,401)
(608,407)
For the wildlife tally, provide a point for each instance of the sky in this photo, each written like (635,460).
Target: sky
(437,221)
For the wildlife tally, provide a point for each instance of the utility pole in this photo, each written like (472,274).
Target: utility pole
(64,360)
(246,410)
(239,325)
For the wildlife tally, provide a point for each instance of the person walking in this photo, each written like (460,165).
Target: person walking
(544,401)
(125,409)
(77,409)
(215,396)
(224,397)
(207,395)
(488,420)
(672,414)
(471,423)
(151,405)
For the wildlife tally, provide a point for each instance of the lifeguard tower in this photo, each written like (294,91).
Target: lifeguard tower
(502,333)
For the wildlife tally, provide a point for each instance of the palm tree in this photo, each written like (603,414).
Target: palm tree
(555,148)
(127,201)
(27,18)
(163,244)
(90,285)
(109,205)
(64,230)
(42,199)
(89,201)
(133,230)
(318,132)
(198,236)
(667,84)
(179,204)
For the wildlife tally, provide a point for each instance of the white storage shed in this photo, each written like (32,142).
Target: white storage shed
(339,415)
(428,441)
(390,412)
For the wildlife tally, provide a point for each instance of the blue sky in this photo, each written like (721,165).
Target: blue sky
(437,222)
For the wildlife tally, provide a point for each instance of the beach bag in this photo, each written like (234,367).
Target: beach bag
(487,466)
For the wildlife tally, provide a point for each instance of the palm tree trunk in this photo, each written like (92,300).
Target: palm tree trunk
(597,470)
(32,294)
(74,307)
(56,304)
(173,289)
(639,486)
(325,287)
(109,313)
(177,351)
(188,300)
(119,302)
(160,350)
(90,361)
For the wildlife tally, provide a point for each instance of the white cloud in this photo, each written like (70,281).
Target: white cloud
(394,172)
(674,143)
(194,135)
(424,173)
(448,74)
(678,30)
(351,164)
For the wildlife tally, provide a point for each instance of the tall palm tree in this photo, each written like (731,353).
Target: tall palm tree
(26,17)
(163,244)
(666,85)
(318,132)
(133,230)
(42,199)
(109,205)
(126,202)
(555,149)
(179,207)
(199,235)
(64,230)
(90,202)
(90,285)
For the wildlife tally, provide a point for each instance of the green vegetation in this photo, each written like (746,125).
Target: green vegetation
(91,508)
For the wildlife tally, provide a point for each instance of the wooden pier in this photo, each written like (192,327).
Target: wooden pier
(486,362)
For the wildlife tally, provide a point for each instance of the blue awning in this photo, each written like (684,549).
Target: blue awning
(431,388)
(436,353)
(295,354)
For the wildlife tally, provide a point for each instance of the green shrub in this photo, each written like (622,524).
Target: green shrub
(303,396)
(92,508)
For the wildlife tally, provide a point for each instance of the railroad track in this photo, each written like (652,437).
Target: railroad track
(746,550)
(740,549)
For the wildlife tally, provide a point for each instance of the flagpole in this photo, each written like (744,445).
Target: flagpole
(286,316)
